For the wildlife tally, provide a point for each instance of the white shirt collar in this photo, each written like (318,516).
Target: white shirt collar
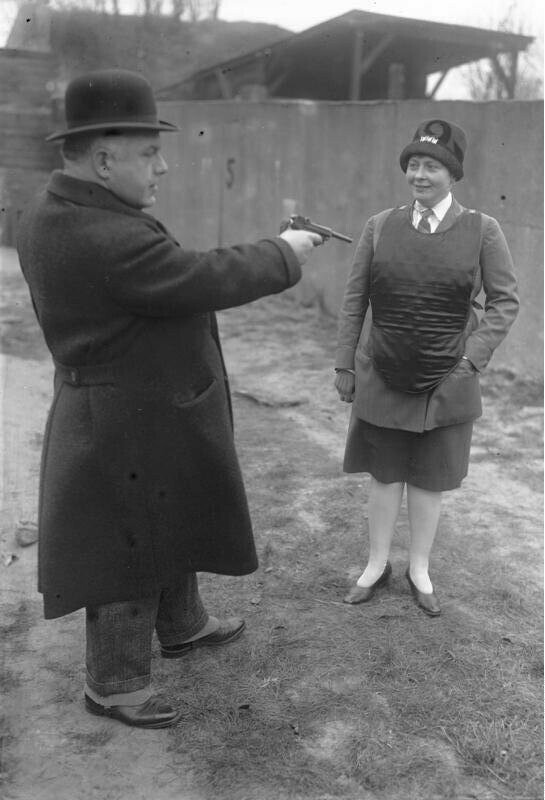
(440,209)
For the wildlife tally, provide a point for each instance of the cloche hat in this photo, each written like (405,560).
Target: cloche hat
(110,98)
(441,140)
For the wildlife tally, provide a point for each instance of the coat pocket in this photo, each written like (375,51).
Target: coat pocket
(180,401)
(457,399)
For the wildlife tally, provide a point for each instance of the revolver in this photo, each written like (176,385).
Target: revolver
(300,223)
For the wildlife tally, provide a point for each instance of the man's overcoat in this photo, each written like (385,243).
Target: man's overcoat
(140,478)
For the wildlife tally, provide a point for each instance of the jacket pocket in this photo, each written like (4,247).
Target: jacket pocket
(180,401)
(457,399)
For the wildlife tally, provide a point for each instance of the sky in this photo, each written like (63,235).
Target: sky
(297,15)
(527,17)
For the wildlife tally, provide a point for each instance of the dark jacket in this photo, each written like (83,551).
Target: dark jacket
(140,479)
(457,398)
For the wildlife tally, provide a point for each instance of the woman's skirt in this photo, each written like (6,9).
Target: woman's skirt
(436,460)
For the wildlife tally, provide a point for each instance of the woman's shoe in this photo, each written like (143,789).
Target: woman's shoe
(361,594)
(428,602)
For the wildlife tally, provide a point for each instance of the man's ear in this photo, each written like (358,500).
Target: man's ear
(102,162)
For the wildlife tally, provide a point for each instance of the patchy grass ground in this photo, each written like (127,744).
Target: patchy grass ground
(318,700)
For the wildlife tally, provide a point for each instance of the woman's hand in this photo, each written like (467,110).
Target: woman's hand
(465,367)
(345,383)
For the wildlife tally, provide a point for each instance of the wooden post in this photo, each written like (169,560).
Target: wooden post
(225,86)
(360,65)
(437,84)
(356,65)
(396,81)
(507,79)
(513,75)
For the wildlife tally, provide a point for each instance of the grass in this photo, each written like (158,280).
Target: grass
(320,700)
(323,700)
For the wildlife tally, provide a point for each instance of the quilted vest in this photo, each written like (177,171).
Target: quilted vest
(420,296)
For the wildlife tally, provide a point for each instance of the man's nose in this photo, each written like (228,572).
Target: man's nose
(161,165)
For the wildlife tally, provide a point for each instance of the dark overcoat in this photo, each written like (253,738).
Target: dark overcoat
(140,478)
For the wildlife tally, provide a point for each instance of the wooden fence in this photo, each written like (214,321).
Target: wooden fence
(236,167)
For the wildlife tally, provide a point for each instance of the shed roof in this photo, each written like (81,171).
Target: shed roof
(436,46)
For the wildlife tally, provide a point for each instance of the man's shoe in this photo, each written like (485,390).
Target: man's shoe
(428,602)
(154,713)
(228,630)
(361,594)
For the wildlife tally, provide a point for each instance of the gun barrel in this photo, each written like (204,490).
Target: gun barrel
(299,222)
(342,237)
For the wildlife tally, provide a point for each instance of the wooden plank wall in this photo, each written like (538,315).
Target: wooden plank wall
(25,121)
(22,144)
(24,76)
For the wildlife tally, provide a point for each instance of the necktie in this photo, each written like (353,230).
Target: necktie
(424,224)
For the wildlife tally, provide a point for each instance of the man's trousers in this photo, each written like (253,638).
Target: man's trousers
(119,639)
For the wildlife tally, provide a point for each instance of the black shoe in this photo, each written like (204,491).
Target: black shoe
(154,713)
(428,602)
(228,630)
(361,594)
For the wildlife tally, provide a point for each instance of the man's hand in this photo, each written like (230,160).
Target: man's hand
(345,383)
(301,242)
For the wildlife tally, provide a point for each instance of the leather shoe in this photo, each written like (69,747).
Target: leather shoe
(154,713)
(228,630)
(427,601)
(361,594)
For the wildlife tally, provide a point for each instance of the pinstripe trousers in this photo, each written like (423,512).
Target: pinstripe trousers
(119,638)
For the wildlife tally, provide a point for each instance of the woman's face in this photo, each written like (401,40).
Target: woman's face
(429,180)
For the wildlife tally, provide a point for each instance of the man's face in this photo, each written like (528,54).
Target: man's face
(429,180)
(135,164)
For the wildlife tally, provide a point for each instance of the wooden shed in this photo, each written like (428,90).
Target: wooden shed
(356,56)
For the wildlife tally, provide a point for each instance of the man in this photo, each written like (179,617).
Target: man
(140,484)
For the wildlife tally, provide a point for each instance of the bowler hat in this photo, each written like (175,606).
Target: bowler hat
(441,140)
(110,98)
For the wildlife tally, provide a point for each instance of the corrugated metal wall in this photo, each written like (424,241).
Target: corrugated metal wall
(235,164)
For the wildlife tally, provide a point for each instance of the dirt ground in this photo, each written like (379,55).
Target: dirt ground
(279,359)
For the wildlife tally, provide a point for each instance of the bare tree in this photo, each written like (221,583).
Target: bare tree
(178,8)
(508,77)
(193,10)
(203,9)
(101,6)
(152,8)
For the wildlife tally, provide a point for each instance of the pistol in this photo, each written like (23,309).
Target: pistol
(300,223)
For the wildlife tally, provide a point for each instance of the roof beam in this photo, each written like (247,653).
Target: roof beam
(361,65)
(509,78)
(437,84)
(377,50)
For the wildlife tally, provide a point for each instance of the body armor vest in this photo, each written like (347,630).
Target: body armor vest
(420,296)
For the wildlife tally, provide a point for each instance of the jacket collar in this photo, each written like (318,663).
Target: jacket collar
(450,217)
(87,193)
(439,209)
(448,220)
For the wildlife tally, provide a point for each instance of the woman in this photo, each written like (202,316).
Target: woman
(414,378)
